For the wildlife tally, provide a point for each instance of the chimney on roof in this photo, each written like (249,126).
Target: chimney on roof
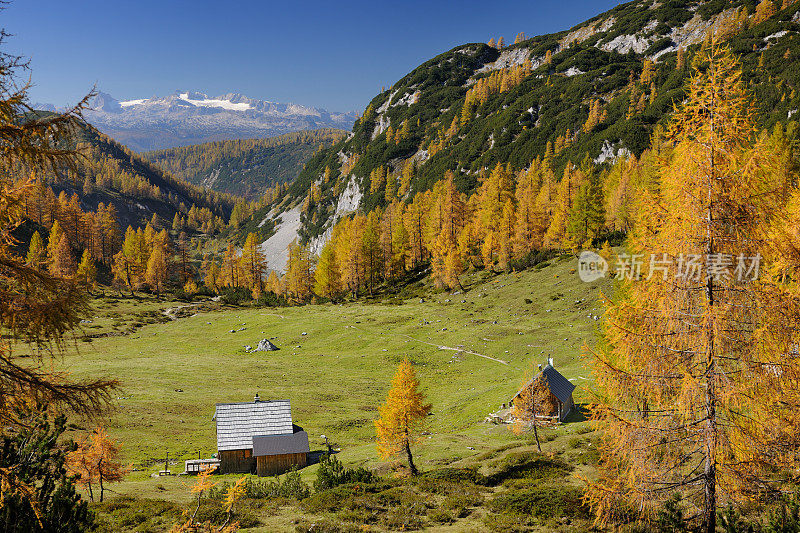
(257,398)
(550,362)
(540,367)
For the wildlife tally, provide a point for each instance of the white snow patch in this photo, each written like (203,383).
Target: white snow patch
(608,153)
(573,71)
(275,249)
(211,102)
(128,103)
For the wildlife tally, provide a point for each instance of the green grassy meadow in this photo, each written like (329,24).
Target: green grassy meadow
(335,364)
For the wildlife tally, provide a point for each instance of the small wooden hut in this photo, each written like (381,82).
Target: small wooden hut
(556,389)
(259,437)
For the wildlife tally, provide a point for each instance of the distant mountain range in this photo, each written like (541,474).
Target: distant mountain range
(188,117)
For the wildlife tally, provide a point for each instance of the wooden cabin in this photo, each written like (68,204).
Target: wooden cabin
(276,454)
(259,437)
(557,391)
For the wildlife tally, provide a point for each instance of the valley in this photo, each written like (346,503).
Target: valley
(549,284)
(335,363)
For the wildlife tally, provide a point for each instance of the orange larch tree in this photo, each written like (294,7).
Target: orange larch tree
(696,379)
(400,414)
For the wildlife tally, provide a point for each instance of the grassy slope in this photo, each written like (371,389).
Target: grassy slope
(338,373)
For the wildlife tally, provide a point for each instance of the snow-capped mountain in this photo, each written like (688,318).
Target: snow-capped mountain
(188,117)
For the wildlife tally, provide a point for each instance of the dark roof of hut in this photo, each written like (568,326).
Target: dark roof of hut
(280,444)
(557,383)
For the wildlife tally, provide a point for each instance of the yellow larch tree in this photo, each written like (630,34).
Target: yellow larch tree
(253,265)
(275,283)
(156,273)
(53,240)
(37,309)
(213,274)
(400,415)
(696,380)
(563,204)
(371,250)
(327,279)
(230,269)
(37,253)
(526,232)
(299,272)
(63,263)
(86,275)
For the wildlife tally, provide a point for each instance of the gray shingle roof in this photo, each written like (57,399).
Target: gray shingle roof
(280,444)
(237,423)
(558,384)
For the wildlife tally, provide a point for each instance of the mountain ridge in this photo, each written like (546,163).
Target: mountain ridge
(190,117)
(474,106)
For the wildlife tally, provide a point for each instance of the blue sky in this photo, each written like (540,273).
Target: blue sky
(331,54)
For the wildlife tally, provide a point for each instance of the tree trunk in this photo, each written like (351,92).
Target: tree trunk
(411,465)
(710,467)
(535,431)
(100,478)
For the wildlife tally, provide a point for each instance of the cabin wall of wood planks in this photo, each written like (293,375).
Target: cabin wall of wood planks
(236,462)
(272,465)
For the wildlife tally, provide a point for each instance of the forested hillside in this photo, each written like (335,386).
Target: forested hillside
(110,172)
(598,90)
(110,189)
(245,167)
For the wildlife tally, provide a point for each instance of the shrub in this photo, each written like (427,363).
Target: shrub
(527,465)
(534,258)
(440,516)
(541,502)
(460,503)
(270,299)
(455,475)
(331,474)
(291,486)
(326,526)
(235,295)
